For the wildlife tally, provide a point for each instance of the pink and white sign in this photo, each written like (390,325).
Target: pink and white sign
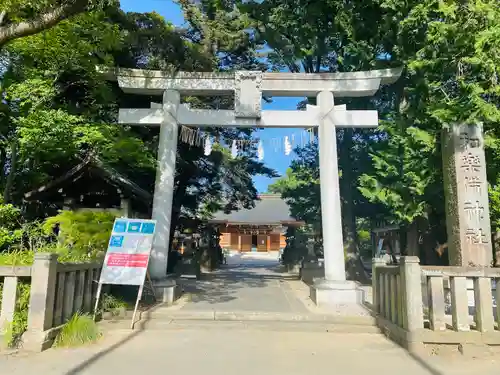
(127,260)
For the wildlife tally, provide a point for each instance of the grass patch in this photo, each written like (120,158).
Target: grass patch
(79,330)
(112,304)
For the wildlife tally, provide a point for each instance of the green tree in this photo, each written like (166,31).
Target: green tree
(450,50)
(21,18)
(223,31)
(53,106)
(77,106)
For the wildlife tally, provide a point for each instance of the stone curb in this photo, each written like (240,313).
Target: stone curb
(261,316)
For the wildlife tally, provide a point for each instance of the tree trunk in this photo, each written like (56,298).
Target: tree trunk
(412,245)
(12,172)
(354,264)
(428,255)
(176,210)
(3,158)
(496,248)
(403,240)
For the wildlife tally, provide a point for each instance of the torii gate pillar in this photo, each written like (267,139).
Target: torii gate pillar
(333,289)
(164,185)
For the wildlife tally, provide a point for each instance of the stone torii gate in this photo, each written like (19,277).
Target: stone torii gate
(248,88)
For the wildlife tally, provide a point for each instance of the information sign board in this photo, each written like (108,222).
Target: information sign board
(127,257)
(128,252)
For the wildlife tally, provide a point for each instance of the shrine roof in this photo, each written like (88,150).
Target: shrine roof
(94,164)
(270,209)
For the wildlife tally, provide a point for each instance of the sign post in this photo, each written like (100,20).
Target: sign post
(127,257)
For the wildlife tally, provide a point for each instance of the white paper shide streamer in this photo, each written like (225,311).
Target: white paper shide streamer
(288,146)
(208,146)
(260,151)
(234,149)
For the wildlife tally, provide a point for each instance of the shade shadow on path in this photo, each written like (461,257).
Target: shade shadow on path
(249,282)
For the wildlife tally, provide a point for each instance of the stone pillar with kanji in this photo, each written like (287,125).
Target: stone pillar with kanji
(466,196)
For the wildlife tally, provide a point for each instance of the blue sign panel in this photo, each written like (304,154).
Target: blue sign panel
(134,227)
(116,241)
(120,227)
(148,228)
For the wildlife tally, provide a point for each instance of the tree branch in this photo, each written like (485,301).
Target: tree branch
(3,13)
(42,22)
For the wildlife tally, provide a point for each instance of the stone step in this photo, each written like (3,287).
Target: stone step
(268,326)
(166,313)
(164,316)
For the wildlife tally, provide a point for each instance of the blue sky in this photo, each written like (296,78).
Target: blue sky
(274,158)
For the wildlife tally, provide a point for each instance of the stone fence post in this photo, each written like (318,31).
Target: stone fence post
(376,262)
(41,304)
(413,312)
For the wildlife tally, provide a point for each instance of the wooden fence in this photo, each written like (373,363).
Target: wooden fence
(57,291)
(418,305)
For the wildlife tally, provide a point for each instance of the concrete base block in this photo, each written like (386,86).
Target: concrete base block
(33,341)
(310,271)
(293,268)
(334,293)
(166,291)
(115,314)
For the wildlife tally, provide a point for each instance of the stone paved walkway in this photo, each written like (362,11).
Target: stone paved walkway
(230,351)
(254,282)
(249,282)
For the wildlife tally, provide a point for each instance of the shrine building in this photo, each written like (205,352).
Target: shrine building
(261,228)
(92,184)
